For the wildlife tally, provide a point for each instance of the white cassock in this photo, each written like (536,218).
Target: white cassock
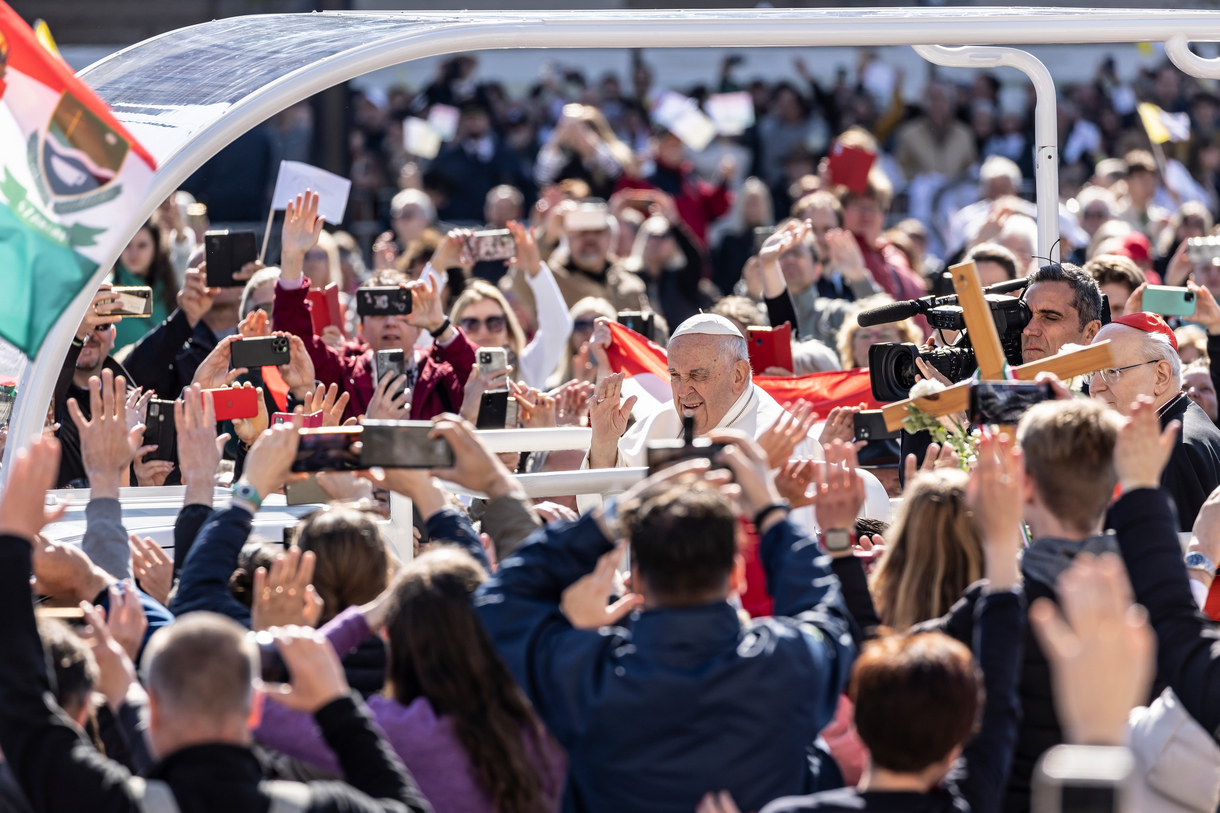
(753,414)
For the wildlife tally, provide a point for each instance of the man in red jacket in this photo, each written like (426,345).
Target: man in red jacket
(436,378)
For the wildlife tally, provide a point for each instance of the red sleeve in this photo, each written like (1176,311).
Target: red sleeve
(716,200)
(460,355)
(290,313)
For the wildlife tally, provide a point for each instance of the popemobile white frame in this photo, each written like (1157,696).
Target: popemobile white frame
(189,93)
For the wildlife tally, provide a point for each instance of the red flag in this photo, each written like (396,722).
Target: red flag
(631,353)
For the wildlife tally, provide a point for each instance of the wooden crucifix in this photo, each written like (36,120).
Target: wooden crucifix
(990,355)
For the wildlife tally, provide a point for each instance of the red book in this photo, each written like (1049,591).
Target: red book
(324,308)
(849,166)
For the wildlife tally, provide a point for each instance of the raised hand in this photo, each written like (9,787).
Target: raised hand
(98,314)
(478,384)
(386,407)
(845,255)
(214,373)
(126,618)
(584,602)
(137,406)
(608,416)
(427,309)
(199,449)
(108,444)
(1101,650)
(247,429)
(794,479)
(782,437)
(302,225)
(840,489)
(116,672)
(934,457)
(753,487)
(269,461)
(153,569)
(317,676)
(527,257)
(994,498)
(840,425)
(286,595)
(537,408)
(474,467)
(572,401)
(1207,312)
(23,509)
(150,473)
(195,299)
(329,402)
(256,325)
(298,373)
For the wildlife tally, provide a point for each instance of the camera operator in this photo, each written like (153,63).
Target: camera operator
(1065,308)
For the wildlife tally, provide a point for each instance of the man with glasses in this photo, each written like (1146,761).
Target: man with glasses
(864,217)
(88,355)
(1146,363)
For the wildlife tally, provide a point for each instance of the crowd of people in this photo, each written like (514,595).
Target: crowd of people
(754,629)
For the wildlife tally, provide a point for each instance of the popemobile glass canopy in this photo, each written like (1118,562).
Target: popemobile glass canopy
(188,93)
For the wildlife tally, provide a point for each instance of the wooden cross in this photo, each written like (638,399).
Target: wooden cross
(990,355)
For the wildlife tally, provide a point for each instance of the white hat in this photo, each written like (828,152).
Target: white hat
(706,324)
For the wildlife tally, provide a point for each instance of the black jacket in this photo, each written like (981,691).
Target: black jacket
(974,784)
(71,468)
(60,771)
(1188,658)
(1193,471)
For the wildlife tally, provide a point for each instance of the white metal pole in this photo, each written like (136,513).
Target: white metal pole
(1046,131)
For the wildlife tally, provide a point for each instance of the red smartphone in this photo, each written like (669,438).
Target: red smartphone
(324,308)
(849,166)
(311,421)
(234,402)
(770,347)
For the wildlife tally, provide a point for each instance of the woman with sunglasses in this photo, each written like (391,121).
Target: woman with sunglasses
(578,365)
(484,315)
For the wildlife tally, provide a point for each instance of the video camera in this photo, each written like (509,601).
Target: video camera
(891,365)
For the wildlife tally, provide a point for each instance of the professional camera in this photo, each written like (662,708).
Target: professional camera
(891,365)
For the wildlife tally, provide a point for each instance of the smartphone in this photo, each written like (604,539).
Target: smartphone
(311,421)
(770,347)
(497,244)
(159,430)
(1202,249)
(304,492)
(849,166)
(388,300)
(665,453)
(870,425)
(391,363)
(643,323)
(1169,301)
(331,448)
(271,666)
(324,308)
(1002,403)
(497,410)
(403,445)
(232,403)
(761,233)
(226,252)
(262,351)
(1084,779)
(134,302)
(72,616)
(491,358)
(290,531)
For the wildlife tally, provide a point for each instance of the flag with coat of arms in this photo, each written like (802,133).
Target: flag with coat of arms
(70,177)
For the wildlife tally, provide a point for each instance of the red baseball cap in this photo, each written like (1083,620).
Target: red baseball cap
(1136,247)
(1149,323)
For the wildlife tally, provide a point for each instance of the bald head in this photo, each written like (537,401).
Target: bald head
(1144,364)
(707,375)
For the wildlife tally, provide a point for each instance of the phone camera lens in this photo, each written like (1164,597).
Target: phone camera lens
(1190,296)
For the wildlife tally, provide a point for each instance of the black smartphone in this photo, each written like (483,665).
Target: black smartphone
(159,430)
(271,666)
(226,252)
(761,233)
(665,453)
(290,533)
(870,425)
(642,323)
(1002,403)
(333,448)
(389,300)
(391,363)
(1085,779)
(263,351)
(134,302)
(403,445)
(497,410)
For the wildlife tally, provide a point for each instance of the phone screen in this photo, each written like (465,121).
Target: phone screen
(328,450)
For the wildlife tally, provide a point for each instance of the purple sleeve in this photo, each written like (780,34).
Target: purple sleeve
(295,733)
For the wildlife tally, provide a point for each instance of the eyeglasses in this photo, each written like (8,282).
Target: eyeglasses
(1096,213)
(1111,375)
(583,326)
(316,254)
(492,324)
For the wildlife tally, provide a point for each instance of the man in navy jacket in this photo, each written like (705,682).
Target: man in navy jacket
(690,698)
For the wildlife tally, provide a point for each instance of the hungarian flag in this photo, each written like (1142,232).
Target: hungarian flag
(647,369)
(70,177)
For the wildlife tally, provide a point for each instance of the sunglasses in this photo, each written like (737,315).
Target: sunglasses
(583,326)
(492,324)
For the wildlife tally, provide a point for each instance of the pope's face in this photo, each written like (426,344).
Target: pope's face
(705,383)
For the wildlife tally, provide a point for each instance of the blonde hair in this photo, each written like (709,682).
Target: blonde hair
(328,244)
(847,330)
(478,290)
(932,552)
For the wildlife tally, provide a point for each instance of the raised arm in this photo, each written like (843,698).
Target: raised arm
(544,351)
